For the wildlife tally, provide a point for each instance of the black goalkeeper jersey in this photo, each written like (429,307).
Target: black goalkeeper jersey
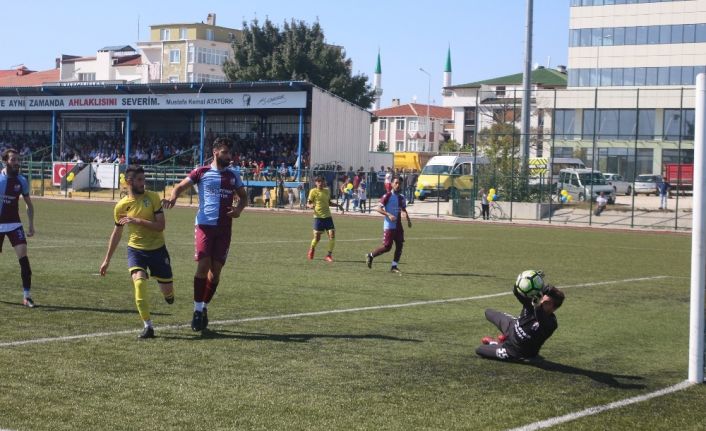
(530,330)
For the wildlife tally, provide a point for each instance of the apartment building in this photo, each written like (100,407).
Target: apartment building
(192,52)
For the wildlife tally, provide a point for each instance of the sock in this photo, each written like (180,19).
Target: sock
(198,305)
(199,289)
(143,306)
(394,263)
(148,323)
(25,293)
(211,287)
(26,273)
(313,243)
(331,245)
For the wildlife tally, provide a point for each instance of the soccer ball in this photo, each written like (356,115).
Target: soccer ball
(530,283)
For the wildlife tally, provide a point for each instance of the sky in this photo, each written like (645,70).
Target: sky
(486,37)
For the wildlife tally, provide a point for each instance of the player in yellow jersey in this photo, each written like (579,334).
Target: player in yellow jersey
(141,211)
(320,201)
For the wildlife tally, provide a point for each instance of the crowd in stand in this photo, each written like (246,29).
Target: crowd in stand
(258,158)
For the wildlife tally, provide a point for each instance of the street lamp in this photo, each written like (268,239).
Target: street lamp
(428,103)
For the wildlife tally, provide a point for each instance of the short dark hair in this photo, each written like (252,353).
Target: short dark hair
(6,154)
(221,143)
(319,178)
(132,171)
(556,295)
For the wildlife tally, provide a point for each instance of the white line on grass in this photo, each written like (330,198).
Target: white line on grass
(311,313)
(598,409)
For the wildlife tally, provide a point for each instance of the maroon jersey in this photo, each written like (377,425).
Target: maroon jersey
(11,188)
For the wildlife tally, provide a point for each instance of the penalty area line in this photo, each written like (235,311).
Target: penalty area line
(598,409)
(310,313)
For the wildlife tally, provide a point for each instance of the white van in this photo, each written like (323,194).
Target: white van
(546,170)
(443,175)
(582,183)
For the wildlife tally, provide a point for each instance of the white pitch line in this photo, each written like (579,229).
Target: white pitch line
(598,409)
(309,314)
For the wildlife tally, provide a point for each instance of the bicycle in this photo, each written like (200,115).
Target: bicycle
(495,211)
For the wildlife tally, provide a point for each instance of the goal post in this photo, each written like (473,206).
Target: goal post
(698,240)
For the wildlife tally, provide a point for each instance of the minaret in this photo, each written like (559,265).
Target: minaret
(377,84)
(447,74)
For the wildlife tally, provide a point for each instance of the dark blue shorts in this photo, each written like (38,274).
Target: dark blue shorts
(157,261)
(322,224)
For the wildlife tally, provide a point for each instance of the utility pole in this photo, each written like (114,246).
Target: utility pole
(526,91)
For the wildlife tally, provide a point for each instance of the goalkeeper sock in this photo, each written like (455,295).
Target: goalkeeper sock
(143,306)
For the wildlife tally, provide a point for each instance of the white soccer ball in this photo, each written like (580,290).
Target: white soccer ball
(530,283)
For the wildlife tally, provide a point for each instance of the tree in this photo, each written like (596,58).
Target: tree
(450,146)
(295,52)
(382,147)
(500,143)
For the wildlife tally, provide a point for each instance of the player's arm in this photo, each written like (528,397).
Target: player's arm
(30,215)
(524,300)
(176,191)
(406,214)
(242,202)
(112,245)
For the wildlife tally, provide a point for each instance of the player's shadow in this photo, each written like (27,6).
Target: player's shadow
(293,338)
(609,379)
(59,308)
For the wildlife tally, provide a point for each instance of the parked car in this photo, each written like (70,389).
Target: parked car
(585,184)
(647,184)
(620,186)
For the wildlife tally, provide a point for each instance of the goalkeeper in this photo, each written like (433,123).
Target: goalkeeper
(522,337)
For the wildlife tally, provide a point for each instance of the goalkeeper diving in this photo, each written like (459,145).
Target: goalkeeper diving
(522,337)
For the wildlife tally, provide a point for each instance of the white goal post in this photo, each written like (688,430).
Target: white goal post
(698,240)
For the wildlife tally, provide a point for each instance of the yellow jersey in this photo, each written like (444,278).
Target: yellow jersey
(143,207)
(320,199)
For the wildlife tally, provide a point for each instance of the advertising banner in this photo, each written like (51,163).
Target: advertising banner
(255,100)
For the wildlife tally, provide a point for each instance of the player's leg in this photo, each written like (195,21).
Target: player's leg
(399,243)
(331,232)
(387,240)
(502,321)
(18,241)
(219,255)
(139,281)
(493,351)
(204,242)
(137,263)
(161,270)
(319,228)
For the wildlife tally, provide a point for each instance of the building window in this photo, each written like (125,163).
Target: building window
(164,34)
(399,146)
(413,125)
(500,91)
(174,56)
(383,124)
(564,123)
(86,76)
(183,33)
(209,34)
(674,121)
(469,116)
(173,78)
(189,76)
(190,55)
(399,122)
(211,56)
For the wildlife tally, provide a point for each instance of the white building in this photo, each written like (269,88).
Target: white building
(410,127)
(120,64)
(187,52)
(629,106)
(477,105)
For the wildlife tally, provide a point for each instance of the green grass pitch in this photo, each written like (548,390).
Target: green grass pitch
(387,368)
